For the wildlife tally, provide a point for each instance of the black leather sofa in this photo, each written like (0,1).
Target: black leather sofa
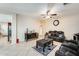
(68,48)
(57,36)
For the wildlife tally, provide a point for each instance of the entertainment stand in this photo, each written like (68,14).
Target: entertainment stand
(31,36)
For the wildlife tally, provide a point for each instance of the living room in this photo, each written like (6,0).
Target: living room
(68,23)
(36,21)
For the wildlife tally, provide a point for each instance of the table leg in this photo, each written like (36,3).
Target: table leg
(52,42)
(43,49)
(36,45)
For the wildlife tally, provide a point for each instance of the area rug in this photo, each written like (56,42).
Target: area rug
(47,49)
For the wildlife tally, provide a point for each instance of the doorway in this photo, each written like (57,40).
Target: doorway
(5,32)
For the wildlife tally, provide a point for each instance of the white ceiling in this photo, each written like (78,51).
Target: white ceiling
(23,8)
(35,8)
(71,9)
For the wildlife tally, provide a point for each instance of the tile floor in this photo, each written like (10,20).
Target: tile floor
(22,49)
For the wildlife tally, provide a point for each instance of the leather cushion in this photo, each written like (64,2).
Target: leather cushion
(73,41)
(61,53)
(65,49)
(70,45)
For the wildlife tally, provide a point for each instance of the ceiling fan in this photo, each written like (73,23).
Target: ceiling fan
(47,14)
(52,14)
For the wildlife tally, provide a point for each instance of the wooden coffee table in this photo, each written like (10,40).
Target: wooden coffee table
(44,43)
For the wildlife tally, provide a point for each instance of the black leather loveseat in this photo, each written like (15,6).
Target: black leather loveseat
(69,47)
(57,36)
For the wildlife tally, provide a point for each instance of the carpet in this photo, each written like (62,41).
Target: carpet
(47,49)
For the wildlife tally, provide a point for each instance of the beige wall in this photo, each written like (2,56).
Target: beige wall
(24,22)
(69,24)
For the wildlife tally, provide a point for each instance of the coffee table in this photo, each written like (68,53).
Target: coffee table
(44,43)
